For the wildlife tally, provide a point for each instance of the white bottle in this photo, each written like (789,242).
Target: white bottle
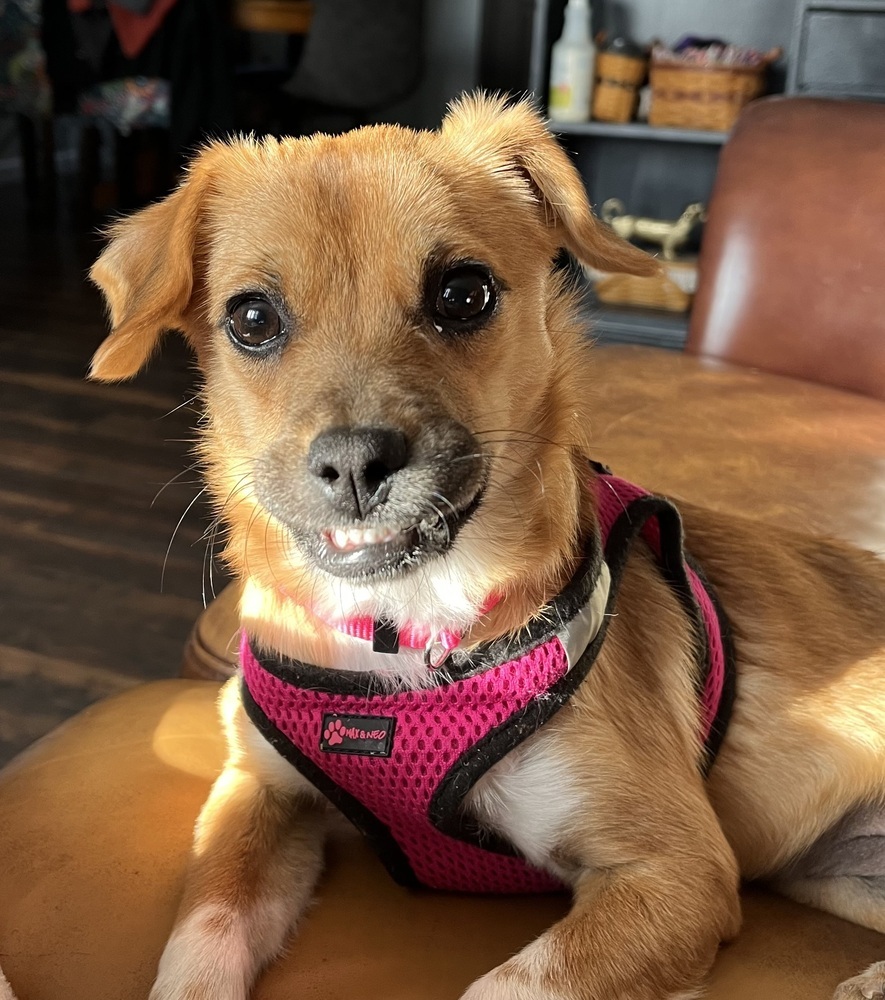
(571,66)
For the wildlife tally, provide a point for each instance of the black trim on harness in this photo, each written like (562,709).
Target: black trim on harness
(674,559)
(445,806)
(729,685)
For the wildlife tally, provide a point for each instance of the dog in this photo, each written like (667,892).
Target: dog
(670,235)
(398,409)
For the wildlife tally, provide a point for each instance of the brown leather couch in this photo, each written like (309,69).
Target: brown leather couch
(97,817)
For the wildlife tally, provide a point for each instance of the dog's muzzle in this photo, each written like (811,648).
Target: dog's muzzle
(370,500)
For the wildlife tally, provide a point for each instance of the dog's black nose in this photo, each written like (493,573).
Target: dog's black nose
(357,464)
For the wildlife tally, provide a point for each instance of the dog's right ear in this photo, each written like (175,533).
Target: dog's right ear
(146,274)
(512,142)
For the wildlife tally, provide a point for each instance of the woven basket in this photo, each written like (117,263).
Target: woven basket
(672,289)
(616,92)
(657,292)
(290,17)
(704,97)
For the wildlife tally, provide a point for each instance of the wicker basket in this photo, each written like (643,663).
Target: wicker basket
(704,97)
(290,17)
(616,92)
(672,289)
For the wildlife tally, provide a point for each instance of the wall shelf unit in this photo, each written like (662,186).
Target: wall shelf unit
(626,325)
(639,130)
(834,48)
(838,49)
(654,171)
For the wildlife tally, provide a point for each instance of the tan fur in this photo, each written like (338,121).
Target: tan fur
(340,228)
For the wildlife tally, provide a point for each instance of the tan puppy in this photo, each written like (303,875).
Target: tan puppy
(401,282)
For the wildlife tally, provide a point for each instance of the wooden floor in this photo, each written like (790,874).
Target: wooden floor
(85,608)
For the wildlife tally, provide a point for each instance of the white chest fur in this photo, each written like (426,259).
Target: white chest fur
(530,798)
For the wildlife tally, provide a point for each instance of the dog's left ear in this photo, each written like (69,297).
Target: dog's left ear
(146,275)
(512,140)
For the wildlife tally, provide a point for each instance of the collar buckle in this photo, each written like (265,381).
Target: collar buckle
(437,651)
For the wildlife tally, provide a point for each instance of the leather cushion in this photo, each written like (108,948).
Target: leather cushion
(97,821)
(784,451)
(792,259)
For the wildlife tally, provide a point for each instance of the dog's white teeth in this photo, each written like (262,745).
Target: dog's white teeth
(356,538)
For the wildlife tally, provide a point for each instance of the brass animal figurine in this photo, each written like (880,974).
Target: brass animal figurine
(669,234)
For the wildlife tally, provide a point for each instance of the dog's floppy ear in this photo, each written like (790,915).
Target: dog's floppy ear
(146,275)
(512,140)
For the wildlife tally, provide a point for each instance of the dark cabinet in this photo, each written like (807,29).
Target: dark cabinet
(839,49)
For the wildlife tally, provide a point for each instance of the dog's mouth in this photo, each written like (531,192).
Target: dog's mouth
(369,503)
(384,549)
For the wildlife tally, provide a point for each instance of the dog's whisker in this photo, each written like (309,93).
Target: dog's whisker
(174,533)
(524,441)
(206,557)
(446,501)
(266,551)
(176,479)
(617,496)
(248,532)
(443,522)
(512,431)
(521,463)
(181,406)
(212,557)
(225,509)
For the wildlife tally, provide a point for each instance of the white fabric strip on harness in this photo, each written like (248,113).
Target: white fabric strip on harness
(577,635)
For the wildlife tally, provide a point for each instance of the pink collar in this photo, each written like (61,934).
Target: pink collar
(386,638)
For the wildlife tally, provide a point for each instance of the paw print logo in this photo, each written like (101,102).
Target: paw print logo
(333,732)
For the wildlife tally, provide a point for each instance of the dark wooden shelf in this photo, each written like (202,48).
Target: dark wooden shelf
(853,6)
(639,130)
(630,325)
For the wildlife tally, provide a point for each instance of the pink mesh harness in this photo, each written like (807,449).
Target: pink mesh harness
(399,765)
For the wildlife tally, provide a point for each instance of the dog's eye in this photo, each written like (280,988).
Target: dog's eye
(253,323)
(465,297)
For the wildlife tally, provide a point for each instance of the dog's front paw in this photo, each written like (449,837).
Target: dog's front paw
(505,983)
(206,958)
(869,985)
(526,976)
(199,987)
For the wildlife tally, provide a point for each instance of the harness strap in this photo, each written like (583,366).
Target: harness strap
(400,764)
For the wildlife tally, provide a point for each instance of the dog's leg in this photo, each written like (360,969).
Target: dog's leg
(5,989)
(643,926)
(255,861)
(860,899)
(843,873)
(869,985)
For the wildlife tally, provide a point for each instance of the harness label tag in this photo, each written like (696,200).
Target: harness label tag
(363,735)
